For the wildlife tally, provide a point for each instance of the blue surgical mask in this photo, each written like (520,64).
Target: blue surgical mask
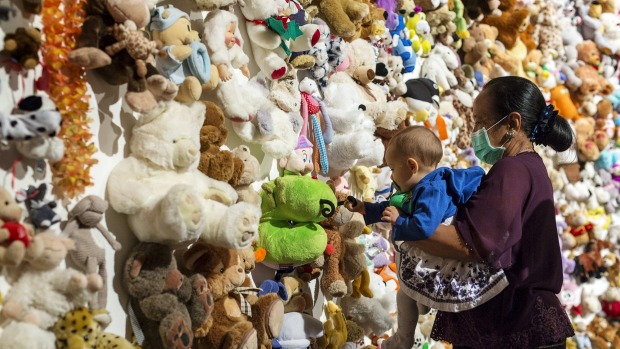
(483,148)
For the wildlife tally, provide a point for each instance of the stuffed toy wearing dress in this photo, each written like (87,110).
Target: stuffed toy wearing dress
(86,215)
(166,198)
(17,241)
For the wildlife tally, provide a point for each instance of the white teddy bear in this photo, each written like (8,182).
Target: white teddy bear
(439,65)
(166,198)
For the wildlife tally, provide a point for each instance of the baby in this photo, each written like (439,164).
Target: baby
(427,196)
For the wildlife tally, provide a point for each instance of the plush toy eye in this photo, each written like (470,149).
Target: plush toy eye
(174,141)
(222,271)
(6,203)
(189,29)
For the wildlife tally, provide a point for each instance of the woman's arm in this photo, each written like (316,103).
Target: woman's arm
(446,243)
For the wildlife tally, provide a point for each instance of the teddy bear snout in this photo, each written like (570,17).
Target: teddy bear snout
(186,153)
(173,281)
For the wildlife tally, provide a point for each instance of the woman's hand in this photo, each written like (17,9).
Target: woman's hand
(391,214)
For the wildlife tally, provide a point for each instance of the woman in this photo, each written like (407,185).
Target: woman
(510,224)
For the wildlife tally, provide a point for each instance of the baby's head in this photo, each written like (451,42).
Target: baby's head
(412,154)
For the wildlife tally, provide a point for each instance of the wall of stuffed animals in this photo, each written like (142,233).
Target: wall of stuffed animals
(172,172)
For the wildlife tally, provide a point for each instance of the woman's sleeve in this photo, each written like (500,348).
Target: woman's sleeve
(491,221)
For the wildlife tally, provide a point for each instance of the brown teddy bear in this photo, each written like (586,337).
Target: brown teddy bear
(474,49)
(477,9)
(23,46)
(510,24)
(16,239)
(166,304)
(237,321)
(218,164)
(347,262)
(250,174)
(341,15)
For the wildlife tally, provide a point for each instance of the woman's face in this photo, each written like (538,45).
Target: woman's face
(485,116)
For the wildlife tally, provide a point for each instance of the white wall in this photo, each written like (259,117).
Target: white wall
(111,123)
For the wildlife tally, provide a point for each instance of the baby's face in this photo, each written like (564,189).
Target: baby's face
(230,38)
(403,174)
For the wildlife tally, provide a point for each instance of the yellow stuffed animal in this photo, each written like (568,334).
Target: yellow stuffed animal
(82,328)
(335,327)
(419,30)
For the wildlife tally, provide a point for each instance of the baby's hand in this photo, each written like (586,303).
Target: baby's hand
(354,205)
(390,215)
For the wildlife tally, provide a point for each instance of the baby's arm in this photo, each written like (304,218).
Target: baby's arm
(428,212)
(372,211)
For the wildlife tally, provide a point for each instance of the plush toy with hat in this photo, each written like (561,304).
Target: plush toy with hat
(144,88)
(166,199)
(88,256)
(184,58)
(238,320)
(165,305)
(17,240)
(221,165)
(83,328)
(422,98)
(22,47)
(274,37)
(41,292)
(292,208)
(300,162)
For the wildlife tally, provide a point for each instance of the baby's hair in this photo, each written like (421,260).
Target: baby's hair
(420,143)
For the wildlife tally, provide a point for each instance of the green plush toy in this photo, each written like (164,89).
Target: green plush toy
(292,206)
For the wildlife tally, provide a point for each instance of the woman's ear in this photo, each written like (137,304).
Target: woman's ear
(413,165)
(515,121)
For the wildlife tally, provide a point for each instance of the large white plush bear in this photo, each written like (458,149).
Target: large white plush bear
(167,200)
(353,142)
(267,45)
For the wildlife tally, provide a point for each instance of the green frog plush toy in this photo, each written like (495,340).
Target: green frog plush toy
(292,208)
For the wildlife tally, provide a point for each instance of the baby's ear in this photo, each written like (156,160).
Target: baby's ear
(413,165)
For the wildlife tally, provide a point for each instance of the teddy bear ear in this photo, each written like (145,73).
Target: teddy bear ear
(136,265)
(193,254)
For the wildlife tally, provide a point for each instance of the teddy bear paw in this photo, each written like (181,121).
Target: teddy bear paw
(94,282)
(190,210)
(179,334)
(243,219)
(78,282)
(89,58)
(162,88)
(141,102)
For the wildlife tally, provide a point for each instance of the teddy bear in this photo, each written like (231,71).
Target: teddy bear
(88,256)
(211,5)
(273,38)
(165,197)
(474,49)
(17,241)
(250,174)
(420,34)
(143,90)
(184,58)
(592,84)
(22,47)
(41,292)
(348,261)
(592,28)
(509,24)
(341,15)
(547,32)
(479,9)
(353,130)
(237,321)
(439,65)
(83,328)
(443,24)
(292,207)
(166,304)
(23,335)
(221,165)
